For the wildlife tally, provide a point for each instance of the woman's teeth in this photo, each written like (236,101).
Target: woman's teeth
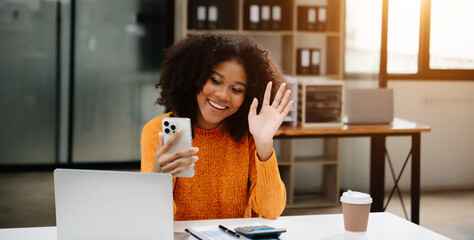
(216,105)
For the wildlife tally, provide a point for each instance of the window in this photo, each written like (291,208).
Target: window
(403,36)
(427,40)
(452,34)
(362,41)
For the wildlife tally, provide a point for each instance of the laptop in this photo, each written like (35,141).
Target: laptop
(93,205)
(369,106)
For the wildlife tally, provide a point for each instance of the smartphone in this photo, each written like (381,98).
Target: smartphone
(170,126)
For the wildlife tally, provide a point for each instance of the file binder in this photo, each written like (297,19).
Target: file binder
(307,18)
(197,15)
(213,17)
(303,62)
(311,20)
(322,18)
(254,17)
(276,17)
(265,23)
(201,17)
(315,61)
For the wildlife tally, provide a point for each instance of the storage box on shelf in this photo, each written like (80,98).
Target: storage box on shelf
(320,102)
(275,25)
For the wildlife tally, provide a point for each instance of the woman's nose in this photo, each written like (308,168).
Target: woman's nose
(222,93)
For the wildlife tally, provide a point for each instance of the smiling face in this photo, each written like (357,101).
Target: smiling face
(222,94)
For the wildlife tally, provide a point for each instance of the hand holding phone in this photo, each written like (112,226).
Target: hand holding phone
(175,151)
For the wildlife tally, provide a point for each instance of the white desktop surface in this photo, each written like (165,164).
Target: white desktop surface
(382,225)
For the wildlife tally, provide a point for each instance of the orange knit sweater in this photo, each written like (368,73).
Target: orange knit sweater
(229,182)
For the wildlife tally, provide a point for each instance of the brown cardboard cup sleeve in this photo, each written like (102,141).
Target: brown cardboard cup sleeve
(355,210)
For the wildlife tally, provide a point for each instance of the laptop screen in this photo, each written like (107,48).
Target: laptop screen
(369,106)
(92,204)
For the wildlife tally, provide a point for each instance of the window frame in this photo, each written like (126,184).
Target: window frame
(424,71)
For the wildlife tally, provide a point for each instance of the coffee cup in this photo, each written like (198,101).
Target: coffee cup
(355,210)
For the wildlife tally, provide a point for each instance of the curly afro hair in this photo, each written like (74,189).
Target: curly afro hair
(189,63)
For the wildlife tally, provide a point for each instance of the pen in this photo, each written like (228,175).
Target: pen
(230,232)
(194,235)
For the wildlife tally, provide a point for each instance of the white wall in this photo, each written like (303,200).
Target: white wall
(447,152)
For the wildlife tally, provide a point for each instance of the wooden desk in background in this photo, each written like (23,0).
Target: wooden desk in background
(378,135)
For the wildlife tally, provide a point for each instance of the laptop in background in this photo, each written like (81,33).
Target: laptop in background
(369,106)
(93,205)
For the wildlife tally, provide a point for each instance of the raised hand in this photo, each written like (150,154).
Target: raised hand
(264,125)
(173,163)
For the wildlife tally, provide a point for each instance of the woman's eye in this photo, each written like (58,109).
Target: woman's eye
(215,81)
(237,90)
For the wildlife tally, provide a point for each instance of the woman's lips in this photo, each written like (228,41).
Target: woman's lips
(216,106)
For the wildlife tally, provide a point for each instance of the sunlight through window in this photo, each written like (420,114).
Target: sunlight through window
(403,36)
(363,30)
(452,34)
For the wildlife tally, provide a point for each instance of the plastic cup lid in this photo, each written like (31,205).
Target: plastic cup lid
(354,197)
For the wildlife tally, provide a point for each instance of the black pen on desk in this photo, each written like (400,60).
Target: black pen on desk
(194,235)
(230,232)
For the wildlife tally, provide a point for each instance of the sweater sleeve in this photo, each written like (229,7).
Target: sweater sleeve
(267,191)
(149,144)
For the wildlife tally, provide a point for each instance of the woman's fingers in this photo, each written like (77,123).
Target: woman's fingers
(253,108)
(281,99)
(160,140)
(185,152)
(166,159)
(179,163)
(278,96)
(166,147)
(181,169)
(169,162)
(287,109)
(160,145)
(266,96)
(284,101)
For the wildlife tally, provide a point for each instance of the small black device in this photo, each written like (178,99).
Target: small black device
(260,231)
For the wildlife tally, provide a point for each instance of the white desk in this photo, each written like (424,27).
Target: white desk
(382,225)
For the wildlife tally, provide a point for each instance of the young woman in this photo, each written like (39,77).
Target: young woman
(236,99)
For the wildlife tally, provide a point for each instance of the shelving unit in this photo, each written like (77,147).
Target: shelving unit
(327,193)
(331,44)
